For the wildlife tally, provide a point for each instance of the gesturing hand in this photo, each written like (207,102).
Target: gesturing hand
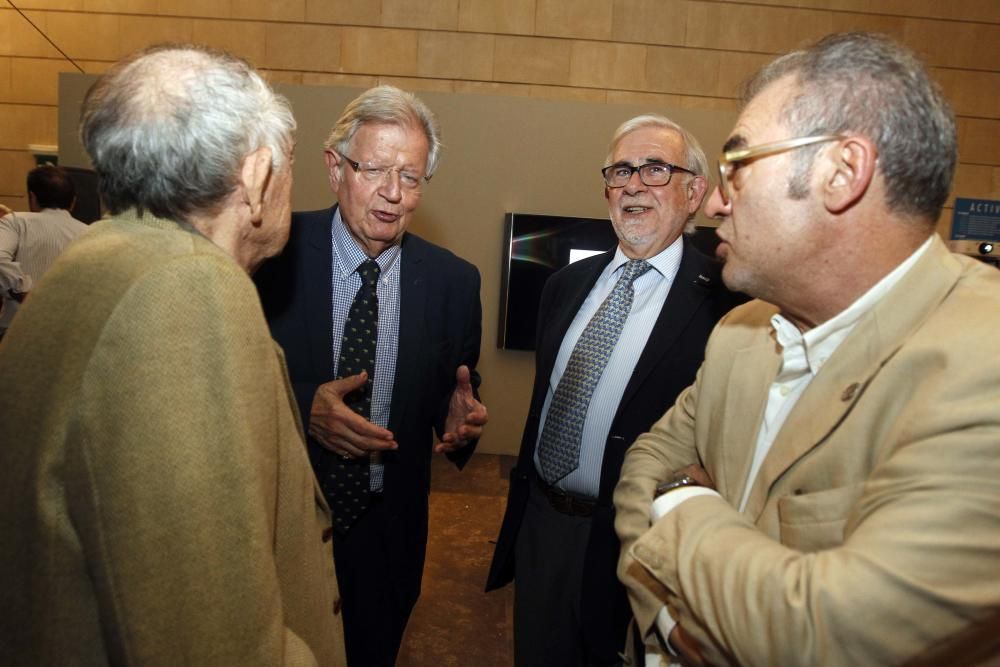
(466,415)
(339,428)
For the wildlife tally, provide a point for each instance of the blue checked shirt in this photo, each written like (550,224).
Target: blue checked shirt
(347,257)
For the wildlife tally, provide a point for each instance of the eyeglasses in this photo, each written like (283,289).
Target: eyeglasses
(374,174)
(730,159)
(652,174)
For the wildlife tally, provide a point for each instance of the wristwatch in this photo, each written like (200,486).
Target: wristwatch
(678,480)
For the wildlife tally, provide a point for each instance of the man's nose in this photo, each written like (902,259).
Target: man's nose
(391,188)
(715,207)
(634,183)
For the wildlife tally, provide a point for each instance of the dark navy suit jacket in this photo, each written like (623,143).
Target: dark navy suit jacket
(439,330)
(667,365)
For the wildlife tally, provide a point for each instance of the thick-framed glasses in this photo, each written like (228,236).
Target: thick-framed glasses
(651,174)
(375,174)
(730,160)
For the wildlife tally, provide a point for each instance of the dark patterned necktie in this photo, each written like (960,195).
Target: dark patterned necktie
(559,447)
(349,478)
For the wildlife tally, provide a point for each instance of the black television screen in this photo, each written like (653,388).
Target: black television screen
(535,247)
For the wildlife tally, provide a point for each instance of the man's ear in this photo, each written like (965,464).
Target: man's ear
(696,189)
(851,168)
(334,173)
(254,176)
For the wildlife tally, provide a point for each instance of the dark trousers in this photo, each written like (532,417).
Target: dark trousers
(548,573)
(374,616)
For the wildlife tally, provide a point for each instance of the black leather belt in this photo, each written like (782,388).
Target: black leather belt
(565,502)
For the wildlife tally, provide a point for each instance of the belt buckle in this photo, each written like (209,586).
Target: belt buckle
(566,503)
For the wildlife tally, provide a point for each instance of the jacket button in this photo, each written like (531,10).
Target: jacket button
(850,391)
(328,534)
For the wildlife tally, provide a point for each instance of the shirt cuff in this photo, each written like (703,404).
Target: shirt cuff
(668,501)
(665,624)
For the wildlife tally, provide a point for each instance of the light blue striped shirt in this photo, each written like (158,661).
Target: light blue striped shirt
(347,257)
(651,291)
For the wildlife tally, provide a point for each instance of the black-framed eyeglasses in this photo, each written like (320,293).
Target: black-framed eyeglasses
(376,174)
(652,174)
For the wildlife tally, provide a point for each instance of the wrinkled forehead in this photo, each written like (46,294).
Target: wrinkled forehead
(390,140)
(649,144)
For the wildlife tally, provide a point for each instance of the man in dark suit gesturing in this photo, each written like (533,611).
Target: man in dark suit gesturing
(381,330)
(619,336)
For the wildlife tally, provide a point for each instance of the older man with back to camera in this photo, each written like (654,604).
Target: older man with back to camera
(382,331)
(30,242)
(848,420)
(157,501)
(659,298)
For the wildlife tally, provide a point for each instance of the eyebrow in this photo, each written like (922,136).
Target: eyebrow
(734,142)
(649,160)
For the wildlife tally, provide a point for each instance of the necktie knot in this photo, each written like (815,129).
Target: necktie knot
(635,268)
(369,271)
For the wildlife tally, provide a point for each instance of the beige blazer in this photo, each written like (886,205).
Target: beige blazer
(158,507)
(872,532)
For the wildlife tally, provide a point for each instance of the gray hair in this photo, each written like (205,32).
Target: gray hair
(696,161)
(168,128)
(391,106)
(874,86)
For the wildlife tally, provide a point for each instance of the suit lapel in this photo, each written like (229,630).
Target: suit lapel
(840,383)
(566,309)
(317,255)
(691,285)
(745,399)
(566,304)
(412,339)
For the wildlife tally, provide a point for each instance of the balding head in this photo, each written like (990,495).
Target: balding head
(168,129)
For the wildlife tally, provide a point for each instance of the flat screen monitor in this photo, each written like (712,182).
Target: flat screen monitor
(535,247)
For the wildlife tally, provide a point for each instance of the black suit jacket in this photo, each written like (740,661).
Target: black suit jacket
(440,326)
(667,365)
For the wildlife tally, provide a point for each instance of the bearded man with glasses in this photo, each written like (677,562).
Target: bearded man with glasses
(620,334)
(381,330)
(827,493)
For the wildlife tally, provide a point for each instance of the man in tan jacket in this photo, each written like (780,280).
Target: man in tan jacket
(157,506)
(849,420)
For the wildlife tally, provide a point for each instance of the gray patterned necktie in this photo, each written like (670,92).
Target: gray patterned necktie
(559,447)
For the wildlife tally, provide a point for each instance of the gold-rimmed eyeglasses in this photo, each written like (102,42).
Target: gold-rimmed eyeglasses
(729,160)
(377,174)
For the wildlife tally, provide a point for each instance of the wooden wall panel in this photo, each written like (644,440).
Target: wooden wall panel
(688,53)
(611,56)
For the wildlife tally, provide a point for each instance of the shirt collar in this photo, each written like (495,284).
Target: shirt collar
(819,343)
(665,262)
